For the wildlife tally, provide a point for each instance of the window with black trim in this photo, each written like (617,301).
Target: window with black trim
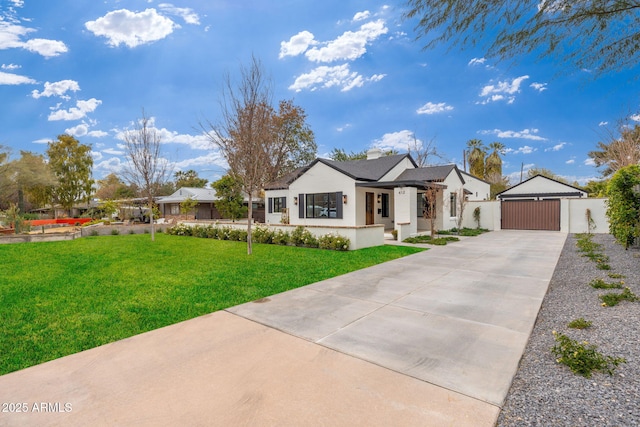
(277,204)
(385,205)
(323,205)
(453,205)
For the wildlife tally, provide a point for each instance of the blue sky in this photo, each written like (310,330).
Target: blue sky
(88,68)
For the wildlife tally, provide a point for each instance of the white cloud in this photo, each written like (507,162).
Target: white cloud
(570,161)
(46,48)
(14,79)
(343,128)
(635,117)
(96,156)
(350,45)
(399,141)
(522,150)
(476,61)
(113,152)
(11,38)
(17,3)
(131,28)
(195,142)
(10,66)
(361,16)
(540,87)
(114,164)
(603,123)
(80,130)
(75,113)
(589,162)
(189,16)
(499,90)
(326,77)
(57,89)
(98,134)
(212,159)
(523,134)
(557,147)
(431,108)
(297,44)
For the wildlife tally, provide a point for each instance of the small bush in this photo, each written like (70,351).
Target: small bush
(601,284)
(579,323)
(303,237)
(612,299)
(237,235)
(603,266)
(394,233)
(94,233)
(262,235)
(280,238)
(616,276)
(583,358)
(334,242)
(132,232)
(115,231)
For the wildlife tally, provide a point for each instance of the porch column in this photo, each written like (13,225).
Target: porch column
(405,205)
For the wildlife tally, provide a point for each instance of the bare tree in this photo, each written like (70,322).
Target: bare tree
(145,168)
(461,200)
(618,151)
(430,211)
(257,143)
(424,152)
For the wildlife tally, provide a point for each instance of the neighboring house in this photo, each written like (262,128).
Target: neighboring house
(479,189)
(206,209)
(206,198)
(385,190)
(536,204)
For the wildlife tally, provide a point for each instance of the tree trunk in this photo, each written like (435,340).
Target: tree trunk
(249,219)
(153,234)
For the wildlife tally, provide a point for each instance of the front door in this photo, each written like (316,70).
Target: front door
(369,208)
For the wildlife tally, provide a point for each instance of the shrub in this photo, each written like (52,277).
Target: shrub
(280,237)
(237,235)
(94,233)
(115,231)
(394,233)
(334,242)
(178,230)
(583,358)
(132,232)
(601,284)
(303,237)
(623,205)
(579,323)
(611,299)
(262,235)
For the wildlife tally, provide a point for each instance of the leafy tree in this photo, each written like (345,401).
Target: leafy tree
(618,152)
(187,206)
(27,181)
(189,178)
(112,187)
(475,157)
(72,164)
(258,144)
(623,205)
(145,168)
(597,35)
(545,172)
(596,188)
(229,198)
(295,141)
(339,155)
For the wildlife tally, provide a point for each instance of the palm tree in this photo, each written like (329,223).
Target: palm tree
(493,163)
(476,153)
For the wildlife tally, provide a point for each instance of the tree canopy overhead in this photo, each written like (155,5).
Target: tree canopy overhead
(600,35)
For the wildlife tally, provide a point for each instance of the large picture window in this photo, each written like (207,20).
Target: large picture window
(322,205)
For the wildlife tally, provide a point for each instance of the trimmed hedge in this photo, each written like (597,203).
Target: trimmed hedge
(300,236)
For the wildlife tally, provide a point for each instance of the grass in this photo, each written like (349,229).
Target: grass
(60,298)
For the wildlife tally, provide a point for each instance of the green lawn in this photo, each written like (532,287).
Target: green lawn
(60,298)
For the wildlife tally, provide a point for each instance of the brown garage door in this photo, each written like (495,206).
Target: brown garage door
(531,215)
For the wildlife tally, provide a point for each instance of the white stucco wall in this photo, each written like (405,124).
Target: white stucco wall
(397,170)
(480,190)
(276,217)
(540,184)
(406,206)
(324,179)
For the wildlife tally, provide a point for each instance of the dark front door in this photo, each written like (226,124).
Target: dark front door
(369,208)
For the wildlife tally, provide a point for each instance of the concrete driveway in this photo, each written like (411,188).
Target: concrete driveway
(430,339)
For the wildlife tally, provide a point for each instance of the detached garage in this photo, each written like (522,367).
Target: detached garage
(534,204)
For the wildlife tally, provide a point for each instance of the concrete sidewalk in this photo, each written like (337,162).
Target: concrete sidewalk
(430,339)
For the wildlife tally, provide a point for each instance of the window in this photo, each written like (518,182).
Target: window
(321,205)
(175,209)
(425,206)
(385,205)
(277,204)
(453,205)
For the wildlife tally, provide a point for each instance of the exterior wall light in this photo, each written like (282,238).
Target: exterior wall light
(295,200)
(379,198)
(344,199)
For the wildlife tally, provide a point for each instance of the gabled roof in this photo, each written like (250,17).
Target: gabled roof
(429,173)
(366,170)
(570,190)
(203,195)
(465,174)
(284,181)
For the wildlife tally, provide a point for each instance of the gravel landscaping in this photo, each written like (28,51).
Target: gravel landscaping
(546,393)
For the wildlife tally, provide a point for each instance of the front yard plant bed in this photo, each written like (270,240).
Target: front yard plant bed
(60,298)
(440,241)
(544,391)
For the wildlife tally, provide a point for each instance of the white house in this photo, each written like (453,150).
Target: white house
(386,190)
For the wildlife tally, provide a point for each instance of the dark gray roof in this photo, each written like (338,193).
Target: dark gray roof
(366,170)
(284,181)
(429,173)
